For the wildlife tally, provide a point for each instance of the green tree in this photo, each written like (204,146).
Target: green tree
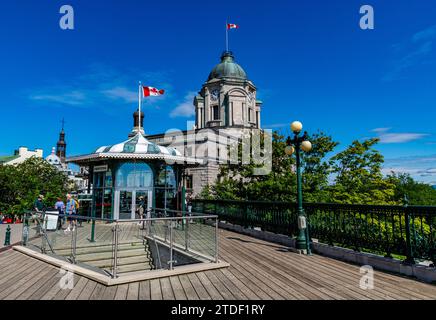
(237,182)
(359,179)
(418,193)
(21,184)
(317,169)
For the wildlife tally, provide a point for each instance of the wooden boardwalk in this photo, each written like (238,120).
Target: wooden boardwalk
(259,270)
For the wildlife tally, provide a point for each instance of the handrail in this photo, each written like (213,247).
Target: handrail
(199,216)
(324,204)
(166,218)
(405,231)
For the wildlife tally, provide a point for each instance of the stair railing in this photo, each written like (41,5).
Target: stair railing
(41,227)
(115,230)
(74,245)
(153,236)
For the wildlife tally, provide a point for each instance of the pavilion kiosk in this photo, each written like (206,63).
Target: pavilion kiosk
(134,173)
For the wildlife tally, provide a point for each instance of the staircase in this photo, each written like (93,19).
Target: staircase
(132,256)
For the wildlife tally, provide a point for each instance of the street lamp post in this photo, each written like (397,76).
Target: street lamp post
(294,145)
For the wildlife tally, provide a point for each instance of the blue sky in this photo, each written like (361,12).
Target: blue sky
(309,60)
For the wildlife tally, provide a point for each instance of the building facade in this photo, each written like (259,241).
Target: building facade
(226,108)
(155,167)
(21,155)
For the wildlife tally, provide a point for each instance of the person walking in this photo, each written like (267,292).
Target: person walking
(38,205)
(77,204)
(70,211)
(189,206)
(39,208)
(60,206)
(141,210)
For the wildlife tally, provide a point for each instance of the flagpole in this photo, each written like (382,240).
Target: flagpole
(139,108)
(227,36)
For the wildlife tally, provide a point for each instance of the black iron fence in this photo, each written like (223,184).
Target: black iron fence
(404,232)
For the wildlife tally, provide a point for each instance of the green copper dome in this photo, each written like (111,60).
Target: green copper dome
(228,68)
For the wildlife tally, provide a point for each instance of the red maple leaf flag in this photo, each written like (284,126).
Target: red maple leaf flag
(150,91)
(232,26)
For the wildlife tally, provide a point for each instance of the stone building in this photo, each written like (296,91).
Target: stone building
(226,107)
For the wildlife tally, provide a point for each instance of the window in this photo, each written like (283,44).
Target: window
(165,191)
(99,179)
(166,177)
(216,113)
(189,182)
(134,175)
(102,194)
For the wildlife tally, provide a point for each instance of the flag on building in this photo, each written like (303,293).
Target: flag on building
(150,91)
(232,26)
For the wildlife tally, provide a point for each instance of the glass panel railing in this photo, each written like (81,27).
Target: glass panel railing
(80,240)
(117,248)
(197,236)
(30,231)
(133,253)
(92,244)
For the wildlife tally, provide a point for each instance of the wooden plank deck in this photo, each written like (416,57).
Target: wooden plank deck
(259,270)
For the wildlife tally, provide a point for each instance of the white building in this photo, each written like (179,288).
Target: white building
(21,155)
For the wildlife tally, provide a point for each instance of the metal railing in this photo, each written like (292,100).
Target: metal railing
(404,232)
(164,239)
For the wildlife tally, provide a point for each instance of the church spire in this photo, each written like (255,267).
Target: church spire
(61,146)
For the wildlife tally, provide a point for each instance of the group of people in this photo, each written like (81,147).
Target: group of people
(8,220)
(66,210)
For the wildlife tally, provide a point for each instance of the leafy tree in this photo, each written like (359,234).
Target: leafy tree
(317,169)
(353,176)
(417,193)
(21,184)
(359,179)
(237,182)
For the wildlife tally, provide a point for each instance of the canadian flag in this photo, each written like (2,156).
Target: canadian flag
(232,26)
(150,91)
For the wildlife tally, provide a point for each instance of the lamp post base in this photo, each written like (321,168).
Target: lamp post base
(301,243)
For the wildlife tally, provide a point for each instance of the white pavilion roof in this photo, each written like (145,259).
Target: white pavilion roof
(137,147)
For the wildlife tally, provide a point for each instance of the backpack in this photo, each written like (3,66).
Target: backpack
(76,203)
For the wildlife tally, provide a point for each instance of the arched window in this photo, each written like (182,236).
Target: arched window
(134,175)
